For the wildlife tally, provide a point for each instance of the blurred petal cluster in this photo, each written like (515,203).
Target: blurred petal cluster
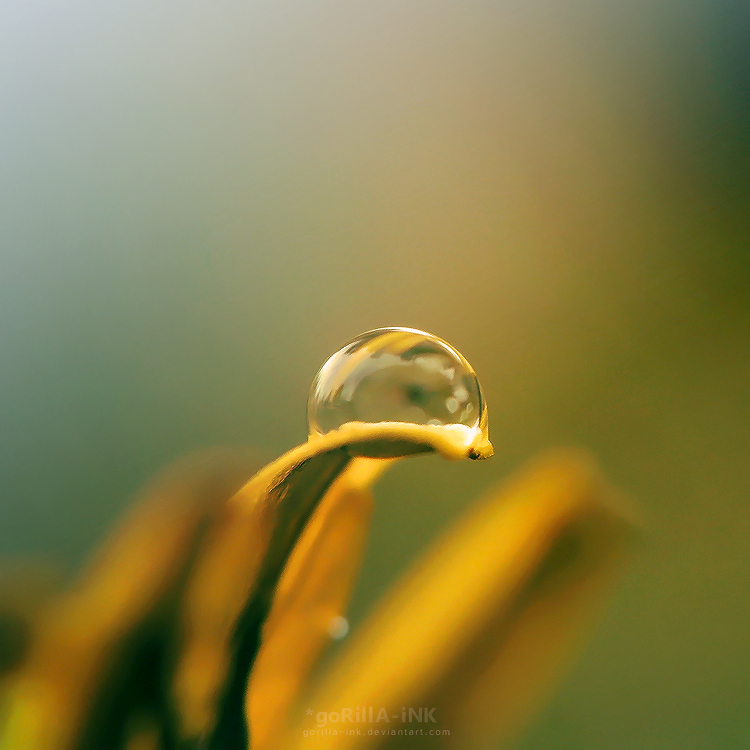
(203,617)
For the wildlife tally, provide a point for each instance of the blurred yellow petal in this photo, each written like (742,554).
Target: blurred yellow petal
(80,678)
(311,599)
(479,629)
(579,530)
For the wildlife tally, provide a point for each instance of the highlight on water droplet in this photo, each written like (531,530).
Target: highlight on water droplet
(395,375)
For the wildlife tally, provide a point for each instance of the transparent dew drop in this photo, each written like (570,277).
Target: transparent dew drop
(395,375)
(338,627)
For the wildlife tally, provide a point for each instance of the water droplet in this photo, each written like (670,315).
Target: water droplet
(395,375)
(338,627)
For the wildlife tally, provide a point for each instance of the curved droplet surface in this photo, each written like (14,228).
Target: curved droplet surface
(395,375)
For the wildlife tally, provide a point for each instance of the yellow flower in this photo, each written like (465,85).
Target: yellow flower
(202,618)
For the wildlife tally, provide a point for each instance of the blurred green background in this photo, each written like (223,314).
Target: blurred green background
(199,202)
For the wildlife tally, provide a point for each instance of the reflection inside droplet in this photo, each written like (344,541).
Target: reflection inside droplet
(395,375)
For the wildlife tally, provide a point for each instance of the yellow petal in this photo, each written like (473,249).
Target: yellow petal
(310,599)
(77,681)
(479,628)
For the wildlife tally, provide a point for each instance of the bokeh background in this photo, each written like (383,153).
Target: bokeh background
(199,202)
